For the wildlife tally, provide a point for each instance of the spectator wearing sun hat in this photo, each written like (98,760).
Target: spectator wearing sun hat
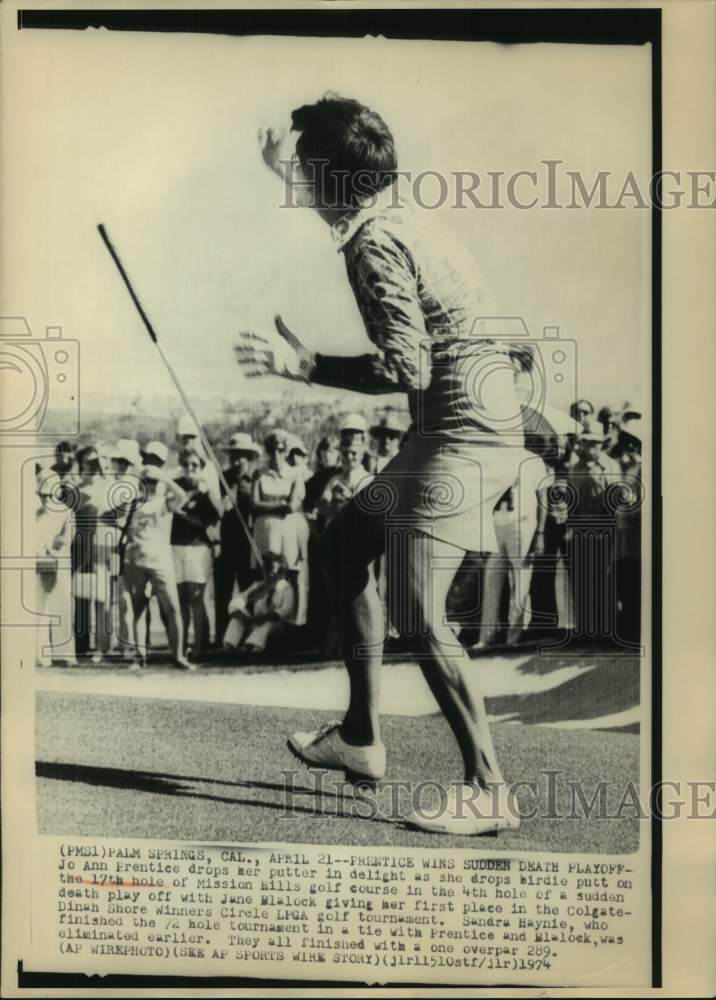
(232,566)
(155,453)
(148,564)
(187,436)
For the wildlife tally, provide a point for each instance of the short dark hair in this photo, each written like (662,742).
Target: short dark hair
(187,453)
(326,443)
(575,407)
(346,149)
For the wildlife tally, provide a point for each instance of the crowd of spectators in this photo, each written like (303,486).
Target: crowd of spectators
(231,564)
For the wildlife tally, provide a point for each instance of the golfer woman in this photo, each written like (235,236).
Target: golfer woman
(421,299)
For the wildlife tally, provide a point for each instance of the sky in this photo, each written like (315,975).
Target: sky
(155,136)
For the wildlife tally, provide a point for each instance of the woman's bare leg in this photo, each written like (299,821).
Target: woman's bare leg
(429,569)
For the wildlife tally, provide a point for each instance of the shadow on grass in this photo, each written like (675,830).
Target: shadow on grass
(606,688)
(326,804)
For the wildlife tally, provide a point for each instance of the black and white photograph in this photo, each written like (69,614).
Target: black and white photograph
(356,483)
(335,420)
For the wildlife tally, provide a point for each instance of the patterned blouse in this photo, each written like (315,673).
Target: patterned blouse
(426,307)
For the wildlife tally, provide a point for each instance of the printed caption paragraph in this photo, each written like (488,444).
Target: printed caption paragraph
(341,914)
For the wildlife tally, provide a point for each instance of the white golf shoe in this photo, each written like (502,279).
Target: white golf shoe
(470,812)
(325,747)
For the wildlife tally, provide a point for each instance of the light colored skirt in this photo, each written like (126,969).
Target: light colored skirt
(445,490)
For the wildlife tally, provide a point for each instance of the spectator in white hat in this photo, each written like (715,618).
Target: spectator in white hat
(354,423)
(148,564)
(187,436)
(155,453)
(125,454)
(232,566)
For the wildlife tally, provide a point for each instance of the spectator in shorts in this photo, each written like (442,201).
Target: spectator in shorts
(148,564)
(232,567)
(191,547)
(261,614)
(188,436)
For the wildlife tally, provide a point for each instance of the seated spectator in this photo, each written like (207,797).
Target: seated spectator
(260,615)
(191,547)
